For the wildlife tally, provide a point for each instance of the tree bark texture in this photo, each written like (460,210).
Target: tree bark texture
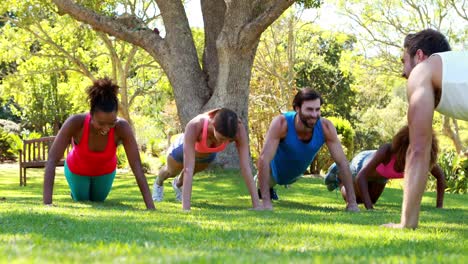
(232,33)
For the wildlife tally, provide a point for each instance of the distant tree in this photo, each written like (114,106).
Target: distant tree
(382,25)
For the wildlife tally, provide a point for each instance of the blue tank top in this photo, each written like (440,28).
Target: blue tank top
(293,156)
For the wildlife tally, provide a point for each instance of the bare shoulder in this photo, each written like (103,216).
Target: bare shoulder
(196,123)
(75,121)
(327,125)
(279,126)
(421,76)
(121,123)
(123,128)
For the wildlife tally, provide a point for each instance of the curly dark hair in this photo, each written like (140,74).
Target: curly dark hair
(102,95)
(400,144)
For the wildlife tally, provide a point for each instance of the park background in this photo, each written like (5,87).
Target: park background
(350,51)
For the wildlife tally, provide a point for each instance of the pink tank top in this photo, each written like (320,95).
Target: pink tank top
(84,162)
(388,170)
(202,147)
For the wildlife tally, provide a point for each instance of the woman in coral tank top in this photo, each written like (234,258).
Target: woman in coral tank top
(191,152)
(372,169)
(91,164)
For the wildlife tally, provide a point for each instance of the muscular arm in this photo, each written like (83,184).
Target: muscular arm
(438,173)
(277,130)
(243,150)
(337,153)
(369,169)
(131,149)
(190,138)
(420,114)
(64,136)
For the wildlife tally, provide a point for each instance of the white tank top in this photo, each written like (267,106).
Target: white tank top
(454,90)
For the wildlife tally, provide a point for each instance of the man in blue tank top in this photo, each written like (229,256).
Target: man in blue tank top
(293,140)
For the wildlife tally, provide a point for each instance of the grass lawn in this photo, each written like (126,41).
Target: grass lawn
(308,225)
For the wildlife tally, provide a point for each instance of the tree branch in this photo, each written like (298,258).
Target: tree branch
(47,39)
(113,55)
(254,29)
(142,37)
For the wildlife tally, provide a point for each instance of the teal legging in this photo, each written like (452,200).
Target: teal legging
(89,188)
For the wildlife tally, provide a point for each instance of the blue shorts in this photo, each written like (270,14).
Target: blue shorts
(357,163)
(176,151)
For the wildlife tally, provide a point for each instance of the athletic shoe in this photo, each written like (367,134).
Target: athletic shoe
(158,192)
(178,191)
(273,195)
(331,178)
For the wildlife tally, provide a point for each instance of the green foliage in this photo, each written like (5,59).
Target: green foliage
(49,60)
(308,225)
(157,146)
(379,123)
(48,108)
(145,163)
(324,74)
(122,161)
(346,135)
(310,3)
(10,144)
(455,168)
(346,131)
(8,109)
(26,134)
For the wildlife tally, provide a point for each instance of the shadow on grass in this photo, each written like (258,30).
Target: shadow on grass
(190,236)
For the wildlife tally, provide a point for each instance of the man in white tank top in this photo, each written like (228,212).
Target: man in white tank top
(437,80)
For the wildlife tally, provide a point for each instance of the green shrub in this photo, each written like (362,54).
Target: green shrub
(145,164)
(122,161)
(10,144)
(26,134)
(346,135)
(157,146)
(455,168)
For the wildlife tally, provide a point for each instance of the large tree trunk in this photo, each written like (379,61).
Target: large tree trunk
(232,90)
(232,33)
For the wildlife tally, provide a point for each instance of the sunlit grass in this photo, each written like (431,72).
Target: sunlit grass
(308,225)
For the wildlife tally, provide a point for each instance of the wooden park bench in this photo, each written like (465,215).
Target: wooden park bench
(34,155)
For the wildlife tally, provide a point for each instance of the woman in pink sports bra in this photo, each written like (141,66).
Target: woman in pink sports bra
(191,152)
(372,169)
(90,166)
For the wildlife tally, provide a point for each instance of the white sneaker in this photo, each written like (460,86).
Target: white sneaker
(178,191)
(158,192)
